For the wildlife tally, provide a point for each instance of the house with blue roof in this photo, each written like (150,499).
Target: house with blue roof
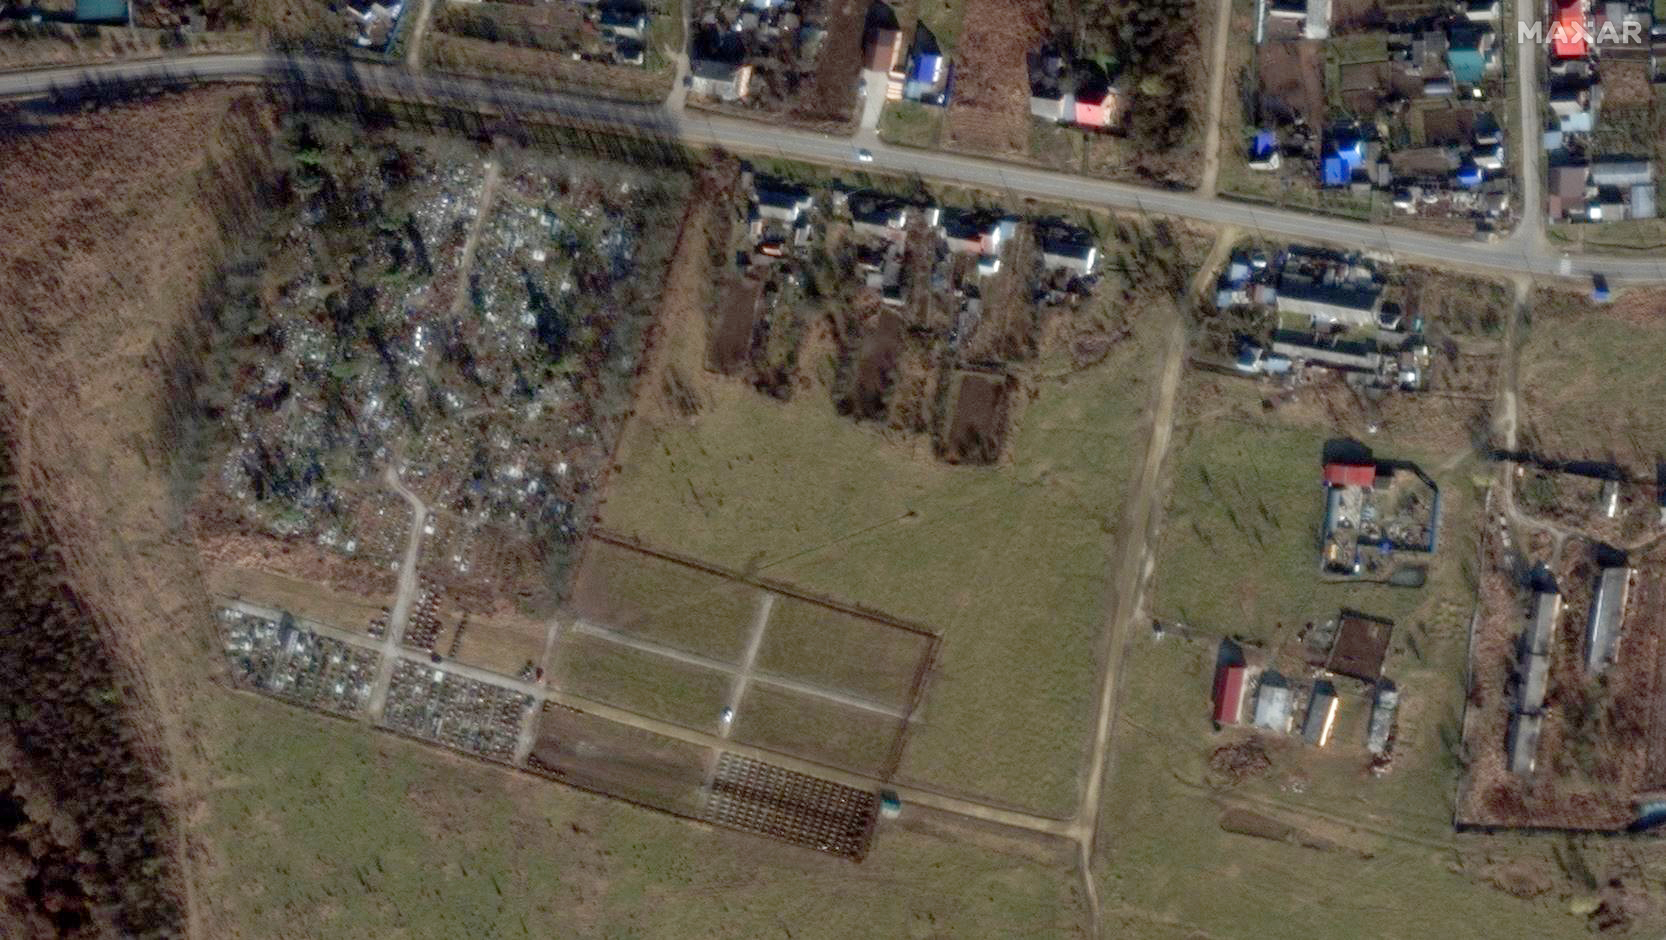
(1471,54)
(928,75)
(1344,157)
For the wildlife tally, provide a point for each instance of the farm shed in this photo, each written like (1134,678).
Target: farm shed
(1608,610)
(1350,474)
(1541,623)
(1321,714)
(1382,718)
(1273,703)
(1622,173)
(1231,682)
(1524,742)
(1361,646)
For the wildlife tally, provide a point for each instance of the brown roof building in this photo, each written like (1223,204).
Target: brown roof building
(1361,646)
(884,49)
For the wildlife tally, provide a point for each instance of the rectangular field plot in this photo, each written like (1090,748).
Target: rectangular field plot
(283,659)
(844,653)
(756,797)
(309,600)
(619,760)
(817,729)
(663,601)
(469,715)
(510,645)
(643,682)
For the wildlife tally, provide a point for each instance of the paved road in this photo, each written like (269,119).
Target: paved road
(1512,255)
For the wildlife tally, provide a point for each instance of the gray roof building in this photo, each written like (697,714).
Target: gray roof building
(1382,718)
(1273,703)
(1524,742)
(1621,173)
(1608,610)
(1541,623)
(1321,714)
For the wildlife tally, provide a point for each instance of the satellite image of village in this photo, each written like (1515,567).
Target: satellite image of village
(1095,469)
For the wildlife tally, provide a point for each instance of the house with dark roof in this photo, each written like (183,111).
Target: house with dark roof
(1321,714)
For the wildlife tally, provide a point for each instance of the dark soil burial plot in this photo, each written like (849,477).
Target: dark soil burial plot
(850,654)
(619,760)
(977,425)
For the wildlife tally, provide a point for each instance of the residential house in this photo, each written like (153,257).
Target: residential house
(725,81)
(1471,54)
(1330,301)
(1481,11)
(928,74)
(374,21)
(1569,185)
(884,50)
(1569,35)
(1608,610)
(630,22)
(1263,151)
(1076,255)
(783,203)
(1097,108)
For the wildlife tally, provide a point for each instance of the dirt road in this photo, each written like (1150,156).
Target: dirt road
(1217,95)
(403,599)
(419,29)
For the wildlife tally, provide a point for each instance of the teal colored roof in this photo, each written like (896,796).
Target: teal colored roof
(100,11)
(1467,65)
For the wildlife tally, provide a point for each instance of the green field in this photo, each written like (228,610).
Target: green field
(645,683)
(322,829)
(815,729)
(862,657)
(1007,562)
(665,602)
(910,124)
(1161,821)
(1591,379)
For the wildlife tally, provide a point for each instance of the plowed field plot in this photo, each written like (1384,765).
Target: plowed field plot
(755,797)
(280,657)
(842,652)
(641,681)
(619,760)
(876,365)
(310,600)
(977,425)
(818,729)
(991,105)
(737,320)
(472,716)
(663,601)
(829,97)
(1292,80)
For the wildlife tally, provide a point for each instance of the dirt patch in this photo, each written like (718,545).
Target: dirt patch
(1292,81)
(829,98)
(978,421)
(738,307)
(618,760)
(990,109)
(876,367)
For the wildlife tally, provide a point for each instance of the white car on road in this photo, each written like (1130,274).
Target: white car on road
(864,156)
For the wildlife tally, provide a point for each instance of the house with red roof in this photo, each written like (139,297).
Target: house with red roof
(1231,684)
(1569,38)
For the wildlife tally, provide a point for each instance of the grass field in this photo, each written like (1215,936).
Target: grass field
(1591,379)
(815,729)
(911,124)
(325,830)
(642,682)
(1007,562)
(1239,552)
(808,642)
(665,602)
(1162,823)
